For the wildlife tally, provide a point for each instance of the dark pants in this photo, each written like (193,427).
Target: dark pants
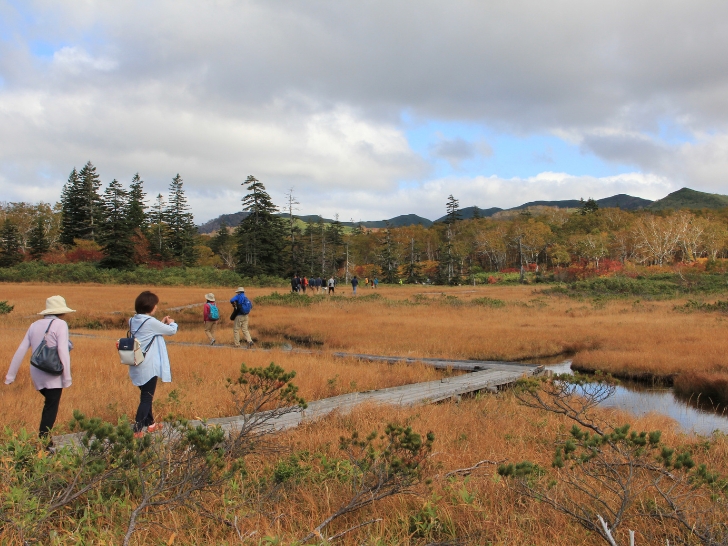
(144,416)
(50,410)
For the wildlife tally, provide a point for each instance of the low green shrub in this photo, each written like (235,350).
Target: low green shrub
(171,276)
(5,308)
(488,302)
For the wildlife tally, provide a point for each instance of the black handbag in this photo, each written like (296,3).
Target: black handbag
(46,358)
(235,312)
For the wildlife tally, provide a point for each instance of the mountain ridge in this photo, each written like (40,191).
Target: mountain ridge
(682,198)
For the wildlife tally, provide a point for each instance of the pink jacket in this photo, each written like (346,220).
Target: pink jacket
(57,337)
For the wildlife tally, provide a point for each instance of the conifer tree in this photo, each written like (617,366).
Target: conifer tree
(38,241)
(10,253)
(90,207)
(446,270)
(70,211)
(116,234)
(159,230)
(261,236)
(388,261)
(181,224)
(136,206)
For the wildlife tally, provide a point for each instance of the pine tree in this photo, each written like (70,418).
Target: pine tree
(181,224)
(388,261)
(116,235)
(221,238)
(70,212)
(136,206)
(90,207)
(10,253)
(446,272)
(159,230)
(261,236)
(38,241)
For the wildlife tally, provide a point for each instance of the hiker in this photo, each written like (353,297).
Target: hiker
(210,316)
(319,284)
(354,284)
(295,284)
(54,330)
(332,285)
(149,332)
(375,282)
(366,281)
(241,307)
(304,284)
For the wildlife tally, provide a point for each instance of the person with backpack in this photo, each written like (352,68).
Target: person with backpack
(332,285)
(54,331)
(241,308)
(354,284)
(210,316)
(149,332)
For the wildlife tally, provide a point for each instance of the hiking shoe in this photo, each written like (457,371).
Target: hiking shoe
(212,342)
(154,427)
(139,435)
(250,344)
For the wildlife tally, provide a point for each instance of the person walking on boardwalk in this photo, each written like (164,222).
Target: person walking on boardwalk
(241,308)
(54,330)
(304,283)
(210,316)
(332,285)
(295,284)
(354,284)
(150,333)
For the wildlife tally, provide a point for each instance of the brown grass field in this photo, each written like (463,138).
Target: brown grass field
(623,337)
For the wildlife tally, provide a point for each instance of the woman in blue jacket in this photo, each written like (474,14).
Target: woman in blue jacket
(149,331)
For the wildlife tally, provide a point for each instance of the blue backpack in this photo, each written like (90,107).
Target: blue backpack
(246,307)
(214,313)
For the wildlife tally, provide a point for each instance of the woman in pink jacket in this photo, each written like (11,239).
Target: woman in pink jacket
(54,329)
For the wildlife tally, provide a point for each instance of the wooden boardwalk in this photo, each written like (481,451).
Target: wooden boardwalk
(405,395)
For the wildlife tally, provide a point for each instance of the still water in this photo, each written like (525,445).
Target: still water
(641,400)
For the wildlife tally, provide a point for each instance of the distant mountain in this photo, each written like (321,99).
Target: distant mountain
(232,220)
(622,201)
(397,221)
(625,202)
(686,198)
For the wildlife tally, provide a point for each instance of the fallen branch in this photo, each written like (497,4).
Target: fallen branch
(342,533)
(469,470)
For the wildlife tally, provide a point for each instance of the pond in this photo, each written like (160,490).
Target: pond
(640,400)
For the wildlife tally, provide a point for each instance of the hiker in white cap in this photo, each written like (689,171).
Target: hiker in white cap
(241,307)
(54,330)
(210,316)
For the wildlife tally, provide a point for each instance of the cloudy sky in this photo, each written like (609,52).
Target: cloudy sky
(367,109)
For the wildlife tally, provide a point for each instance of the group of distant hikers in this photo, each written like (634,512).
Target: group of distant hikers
(317,284)
(143,350)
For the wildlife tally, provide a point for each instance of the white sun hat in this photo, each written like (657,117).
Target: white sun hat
(210,296)
(56,305)
(240,289)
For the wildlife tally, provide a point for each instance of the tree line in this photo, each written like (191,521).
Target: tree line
(118,228)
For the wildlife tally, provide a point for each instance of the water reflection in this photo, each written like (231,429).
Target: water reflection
(641,400)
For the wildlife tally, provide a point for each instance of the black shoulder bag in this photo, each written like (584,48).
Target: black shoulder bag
(46,358)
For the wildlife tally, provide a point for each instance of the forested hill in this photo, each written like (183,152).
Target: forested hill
(686,198)
(625,202)
(398,221)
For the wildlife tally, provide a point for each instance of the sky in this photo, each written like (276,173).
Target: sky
(366,109)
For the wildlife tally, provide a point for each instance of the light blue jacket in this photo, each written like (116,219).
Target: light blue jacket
(156,362)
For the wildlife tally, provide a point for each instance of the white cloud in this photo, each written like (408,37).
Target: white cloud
(309,94)
(75,60)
